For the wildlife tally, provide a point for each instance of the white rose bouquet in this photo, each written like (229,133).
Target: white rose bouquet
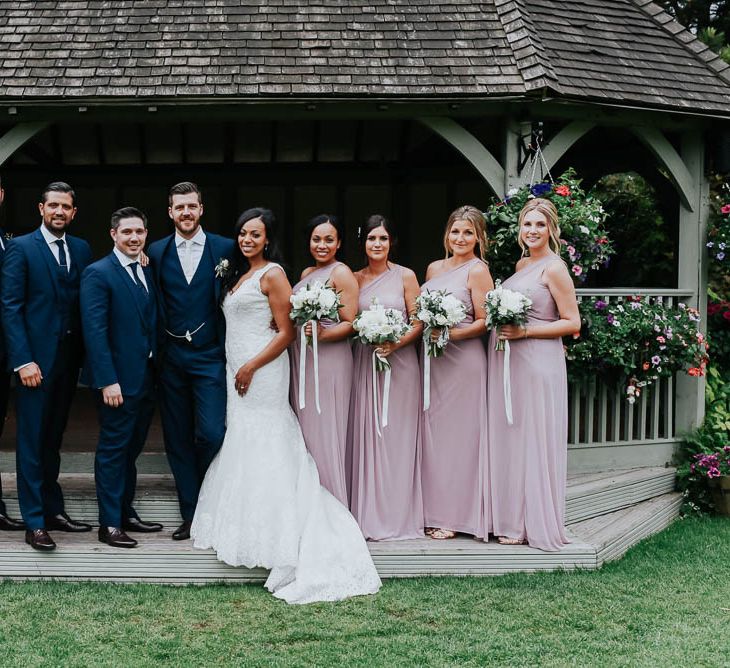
(505,307)
(438,309)
(312,303)
(375,326)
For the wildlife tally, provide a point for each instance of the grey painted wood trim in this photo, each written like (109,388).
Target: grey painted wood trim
(470,147)
(14,138)
(662,149)
(561,142)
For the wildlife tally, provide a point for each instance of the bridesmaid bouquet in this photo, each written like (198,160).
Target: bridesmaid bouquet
(375,326)
(438,309)
(312,303)
(505,307)
(380,325)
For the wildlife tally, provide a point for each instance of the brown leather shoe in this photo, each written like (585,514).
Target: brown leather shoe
(183,531)
(9,524)
(62,522)
(136,524)
(39,539)
(115,537)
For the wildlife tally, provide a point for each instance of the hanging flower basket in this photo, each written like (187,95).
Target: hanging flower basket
(585,243)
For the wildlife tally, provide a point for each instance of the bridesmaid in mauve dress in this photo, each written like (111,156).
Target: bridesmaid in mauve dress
(325,433)
(454,428)
(528,459)
(385,494)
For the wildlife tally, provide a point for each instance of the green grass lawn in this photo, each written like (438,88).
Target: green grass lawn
(667,603)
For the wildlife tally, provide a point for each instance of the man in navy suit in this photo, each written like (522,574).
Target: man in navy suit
(40,309)
(192,375)
(6,523)
(119,318)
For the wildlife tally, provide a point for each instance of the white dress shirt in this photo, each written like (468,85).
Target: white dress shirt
(51,241)
(190,251)
(126,261)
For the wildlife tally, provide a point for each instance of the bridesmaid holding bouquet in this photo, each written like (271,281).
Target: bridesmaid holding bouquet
(385,494)
(454,426)
(325,432)
(528,458)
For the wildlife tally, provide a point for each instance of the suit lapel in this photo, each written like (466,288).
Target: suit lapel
(48,259)
(211,256)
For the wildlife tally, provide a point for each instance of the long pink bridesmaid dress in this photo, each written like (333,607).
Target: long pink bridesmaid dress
(454,465)
(385,494)
(528,459)
(325,434)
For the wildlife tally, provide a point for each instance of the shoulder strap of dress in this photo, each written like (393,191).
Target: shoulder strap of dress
(260,272)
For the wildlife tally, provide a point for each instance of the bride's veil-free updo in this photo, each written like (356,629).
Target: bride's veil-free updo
(272,251)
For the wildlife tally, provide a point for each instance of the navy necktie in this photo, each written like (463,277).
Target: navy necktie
(61,253)
(135,277)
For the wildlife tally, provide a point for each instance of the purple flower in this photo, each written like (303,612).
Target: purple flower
(610,318)
(656,360)
(720,256)
(541,189)
(600,305)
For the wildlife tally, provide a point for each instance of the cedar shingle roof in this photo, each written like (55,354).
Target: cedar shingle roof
(619,51)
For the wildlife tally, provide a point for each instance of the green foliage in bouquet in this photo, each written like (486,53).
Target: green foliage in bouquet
(635,341)
(585,243)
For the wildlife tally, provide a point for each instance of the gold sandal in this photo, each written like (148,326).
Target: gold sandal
(442,534)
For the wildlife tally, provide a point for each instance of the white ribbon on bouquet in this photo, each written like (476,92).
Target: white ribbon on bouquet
(386,394)
(303,366)
(507,384)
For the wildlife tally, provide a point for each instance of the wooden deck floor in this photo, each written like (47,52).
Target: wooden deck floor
(607,514)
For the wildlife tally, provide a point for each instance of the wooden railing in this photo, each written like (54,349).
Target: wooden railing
(600,415)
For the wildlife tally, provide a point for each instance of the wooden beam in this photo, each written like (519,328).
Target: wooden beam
(470,147)
(662,149)
(14,138)
(561,142)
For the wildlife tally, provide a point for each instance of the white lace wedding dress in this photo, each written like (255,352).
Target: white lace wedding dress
(261,503)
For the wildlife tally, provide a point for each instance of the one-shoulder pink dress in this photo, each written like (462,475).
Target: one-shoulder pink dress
(454,466)
(325,433)
(528,459)
(385,492)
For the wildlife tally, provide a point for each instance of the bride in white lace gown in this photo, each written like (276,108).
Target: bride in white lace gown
(261,503)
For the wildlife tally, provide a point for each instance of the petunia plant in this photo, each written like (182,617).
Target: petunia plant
(635,341)
(718,236)
(585,243)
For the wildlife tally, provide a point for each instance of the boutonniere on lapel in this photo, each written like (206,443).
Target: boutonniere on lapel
(223,268)
(8,236)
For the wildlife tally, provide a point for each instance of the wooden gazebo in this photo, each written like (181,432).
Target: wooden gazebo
(408,107)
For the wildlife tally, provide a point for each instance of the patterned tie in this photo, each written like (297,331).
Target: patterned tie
(135,277)
(61,253)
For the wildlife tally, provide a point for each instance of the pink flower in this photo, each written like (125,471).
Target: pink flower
(724,210)
(565,191)
(577,269)
(661,339)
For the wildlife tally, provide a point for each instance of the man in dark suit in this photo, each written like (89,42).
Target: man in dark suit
(119,318)
(192,375)
(6,523)
(40,309)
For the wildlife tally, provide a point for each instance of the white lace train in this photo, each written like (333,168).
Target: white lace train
(261,503)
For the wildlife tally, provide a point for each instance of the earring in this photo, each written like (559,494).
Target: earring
(266,247)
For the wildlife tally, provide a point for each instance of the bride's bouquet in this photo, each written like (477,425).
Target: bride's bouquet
(438,309)
(312,303)
(505,307)
(375,326)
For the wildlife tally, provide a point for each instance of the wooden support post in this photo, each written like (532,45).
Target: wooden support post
(690,392)
(471,148)
(14,138)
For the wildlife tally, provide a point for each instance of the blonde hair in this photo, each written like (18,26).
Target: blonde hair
(474,216)
(550,213)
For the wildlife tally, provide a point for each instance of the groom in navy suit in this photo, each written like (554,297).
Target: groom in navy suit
(119,317)
(40,309)
(6,523)
(193,375)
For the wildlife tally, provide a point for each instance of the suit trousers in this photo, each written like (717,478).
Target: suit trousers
(122,435)
(42,415)
(193,411)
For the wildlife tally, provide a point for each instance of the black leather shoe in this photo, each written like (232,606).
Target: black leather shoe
(62,522)
(136,524)
(115,537)
(9,524)
(39,539)
(183,531)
